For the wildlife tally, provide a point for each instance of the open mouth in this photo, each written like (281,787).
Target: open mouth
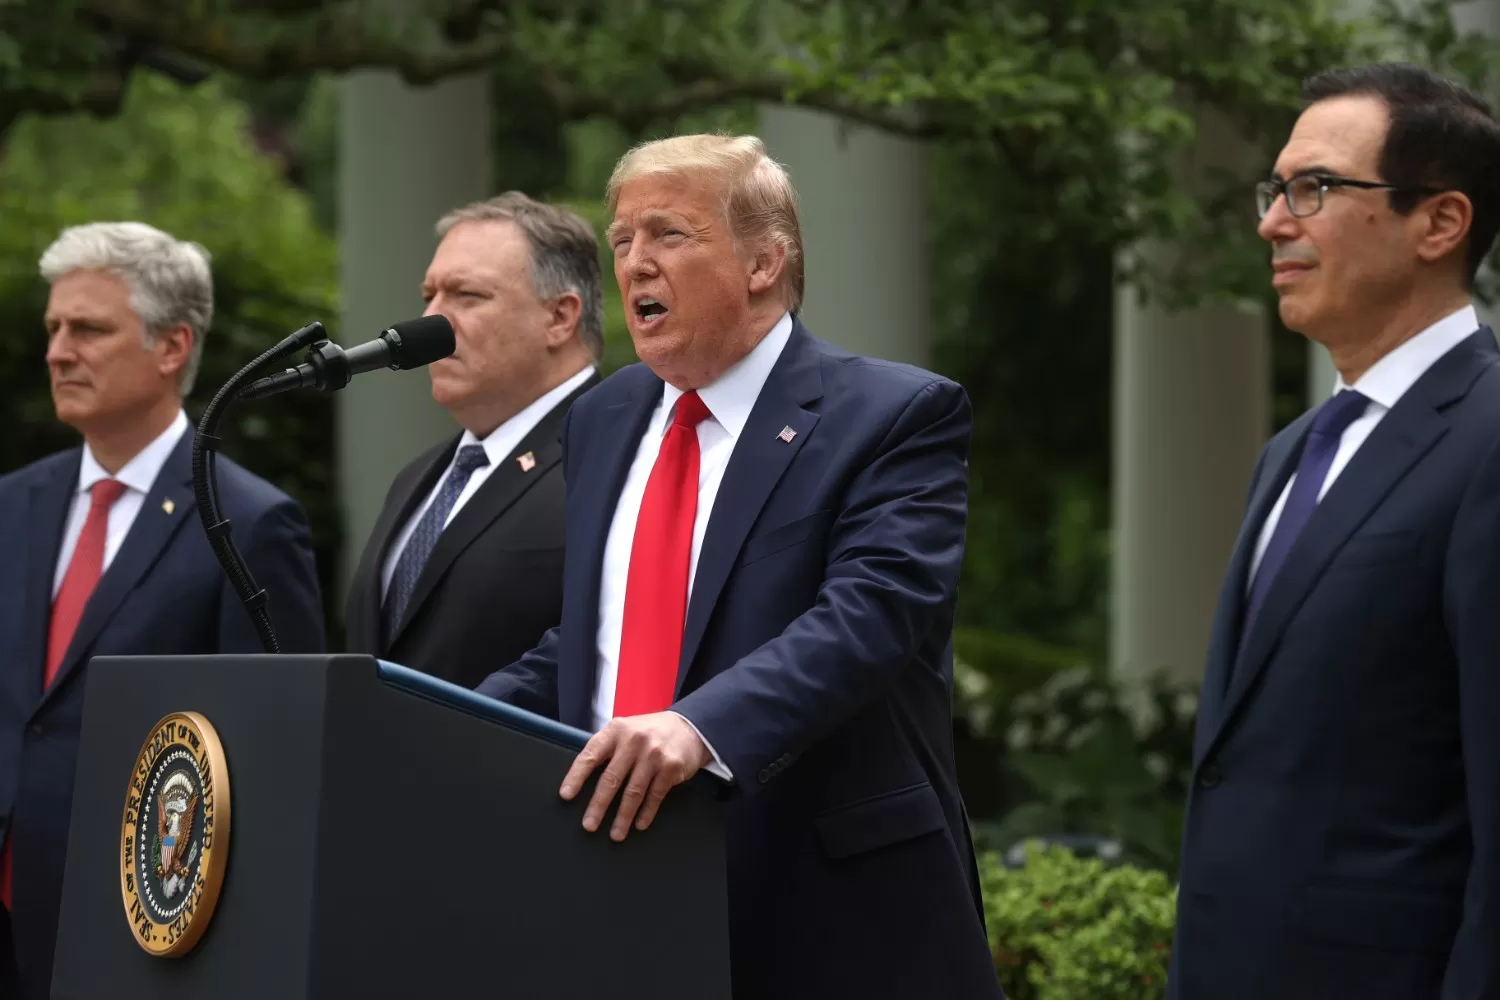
(649,312)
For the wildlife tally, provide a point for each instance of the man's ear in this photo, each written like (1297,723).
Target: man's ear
(562,319)
(1445,221)
(766,267)
(174,348)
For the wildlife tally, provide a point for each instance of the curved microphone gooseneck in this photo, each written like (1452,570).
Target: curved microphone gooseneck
(206,445)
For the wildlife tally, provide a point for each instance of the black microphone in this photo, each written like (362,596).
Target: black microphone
(411,344)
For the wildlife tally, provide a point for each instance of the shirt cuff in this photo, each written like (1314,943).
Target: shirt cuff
(715,766)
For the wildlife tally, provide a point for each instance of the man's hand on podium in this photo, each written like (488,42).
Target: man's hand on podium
(648,755)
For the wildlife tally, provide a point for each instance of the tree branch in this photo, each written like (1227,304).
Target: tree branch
(332,40)
(337,38)
(709,92)
(102,97)
(276,6)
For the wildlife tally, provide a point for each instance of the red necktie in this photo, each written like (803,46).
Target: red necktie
(656,589)
(84,570)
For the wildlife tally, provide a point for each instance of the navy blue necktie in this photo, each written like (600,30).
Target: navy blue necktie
(425,537)
(1317,458)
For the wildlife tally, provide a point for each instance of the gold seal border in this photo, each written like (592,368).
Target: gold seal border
(211,866)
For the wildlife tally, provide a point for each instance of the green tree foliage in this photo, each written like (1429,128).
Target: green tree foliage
(180,159)
(1088,106)
(1060,134)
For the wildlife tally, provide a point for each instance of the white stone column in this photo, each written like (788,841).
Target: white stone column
(406,156)
(863,205)
(1191,413)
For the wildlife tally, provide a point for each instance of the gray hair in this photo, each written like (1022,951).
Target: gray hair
(564,253)
(170,282)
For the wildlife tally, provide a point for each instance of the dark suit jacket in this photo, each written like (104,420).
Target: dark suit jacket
(494,581)
(1343,830)
(163,595)
(817,662)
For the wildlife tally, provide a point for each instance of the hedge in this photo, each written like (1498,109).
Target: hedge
(1064,927)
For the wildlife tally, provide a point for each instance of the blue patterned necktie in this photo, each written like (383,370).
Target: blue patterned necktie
(1317,458)
(425,538)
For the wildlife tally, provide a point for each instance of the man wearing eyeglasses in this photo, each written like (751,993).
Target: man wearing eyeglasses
(1342,836)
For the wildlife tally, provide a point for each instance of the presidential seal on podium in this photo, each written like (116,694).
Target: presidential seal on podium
(174,840)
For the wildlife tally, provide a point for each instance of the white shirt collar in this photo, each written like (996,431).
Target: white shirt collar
(500,442)
(140,472)
(732,395)
(1390,377)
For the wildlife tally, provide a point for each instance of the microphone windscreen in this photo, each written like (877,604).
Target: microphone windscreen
(423,341)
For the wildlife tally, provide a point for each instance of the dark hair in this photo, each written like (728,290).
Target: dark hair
(1441,135)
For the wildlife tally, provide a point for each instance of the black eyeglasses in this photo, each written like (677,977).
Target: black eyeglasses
(1304,192)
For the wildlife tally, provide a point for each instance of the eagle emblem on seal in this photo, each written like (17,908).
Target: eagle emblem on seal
(174,827)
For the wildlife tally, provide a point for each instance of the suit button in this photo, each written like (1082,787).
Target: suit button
(1209,776)
(35,730)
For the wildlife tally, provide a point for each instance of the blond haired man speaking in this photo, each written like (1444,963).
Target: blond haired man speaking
(765,535)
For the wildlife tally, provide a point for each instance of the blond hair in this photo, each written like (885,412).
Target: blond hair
(760,204)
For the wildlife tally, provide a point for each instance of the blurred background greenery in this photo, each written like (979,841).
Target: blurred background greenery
(1053,128)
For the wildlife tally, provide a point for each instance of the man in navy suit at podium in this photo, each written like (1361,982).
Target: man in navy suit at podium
(764,542)
(103,552)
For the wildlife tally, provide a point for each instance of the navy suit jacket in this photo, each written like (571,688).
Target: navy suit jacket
(162,595)
(816,660)
(1342,836)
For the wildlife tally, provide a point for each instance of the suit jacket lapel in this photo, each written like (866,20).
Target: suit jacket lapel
(1280,463)
(759,459)
(45,517)
(503,488)
(148,537)
(1403,436)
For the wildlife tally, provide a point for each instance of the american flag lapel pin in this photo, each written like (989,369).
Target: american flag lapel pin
(787,434)
(527,462)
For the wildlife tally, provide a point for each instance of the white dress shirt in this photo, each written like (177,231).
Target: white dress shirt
(138,476)
(1385,383)
(498,445)
(729,400)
